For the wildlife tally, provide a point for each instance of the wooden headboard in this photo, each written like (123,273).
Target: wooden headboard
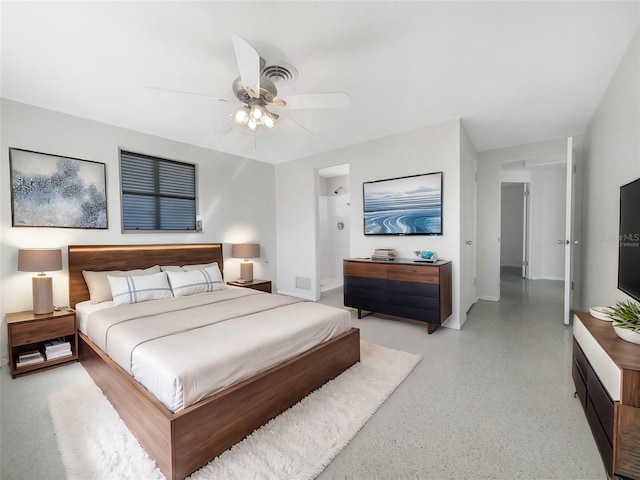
(128,257)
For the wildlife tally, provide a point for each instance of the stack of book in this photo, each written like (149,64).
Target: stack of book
(383,254)
(57,348)
(29,358)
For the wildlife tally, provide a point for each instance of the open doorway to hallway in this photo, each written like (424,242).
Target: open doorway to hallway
(514,228)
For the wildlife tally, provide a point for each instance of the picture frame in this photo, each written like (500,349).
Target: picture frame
(410,205)
(56,191)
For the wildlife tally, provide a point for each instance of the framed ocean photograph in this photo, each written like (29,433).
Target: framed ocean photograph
(55,191)
(403,206)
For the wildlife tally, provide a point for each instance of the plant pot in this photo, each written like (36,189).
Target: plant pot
(628,335)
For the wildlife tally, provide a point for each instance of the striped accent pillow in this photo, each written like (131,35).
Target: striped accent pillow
(139,288)
(196,281)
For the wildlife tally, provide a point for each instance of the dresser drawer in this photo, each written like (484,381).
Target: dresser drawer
(411,288)
(581,361)
(602,442)
(41,330)
(363,269)
(602,404)
(431,316)
(414,301)
(414,273)
(578,381)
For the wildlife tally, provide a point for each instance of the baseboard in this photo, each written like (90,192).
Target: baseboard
(297,295)
(560,279)
(489,297)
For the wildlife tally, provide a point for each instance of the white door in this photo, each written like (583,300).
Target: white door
(525,231)
(571,242)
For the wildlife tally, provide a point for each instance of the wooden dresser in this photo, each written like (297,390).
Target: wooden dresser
(606,372)
(399,288)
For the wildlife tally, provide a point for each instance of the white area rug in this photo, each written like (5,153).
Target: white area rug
(298,444)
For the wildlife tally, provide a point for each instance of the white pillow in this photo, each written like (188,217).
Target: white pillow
(171,268)
(98,284)
(139,288)
(196,281)
(202,266)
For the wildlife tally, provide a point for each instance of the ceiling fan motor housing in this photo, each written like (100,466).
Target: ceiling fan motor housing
(268,92)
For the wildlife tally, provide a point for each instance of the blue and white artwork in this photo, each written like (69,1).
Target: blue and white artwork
(54,191)
(404,206)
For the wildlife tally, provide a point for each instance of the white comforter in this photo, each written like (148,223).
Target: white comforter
(187,348)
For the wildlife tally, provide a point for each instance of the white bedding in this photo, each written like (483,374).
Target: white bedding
(187,348)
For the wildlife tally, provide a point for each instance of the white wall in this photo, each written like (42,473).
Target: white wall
(611,158)
(428,149)
(490,163)
(230,211)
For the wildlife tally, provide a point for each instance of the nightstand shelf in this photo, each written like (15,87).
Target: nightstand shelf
(29,332)
(262,285)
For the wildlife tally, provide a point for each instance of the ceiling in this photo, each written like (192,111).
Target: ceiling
(515,72)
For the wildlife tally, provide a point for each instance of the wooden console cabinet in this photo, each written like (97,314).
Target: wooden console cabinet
(399,288)
(606,373)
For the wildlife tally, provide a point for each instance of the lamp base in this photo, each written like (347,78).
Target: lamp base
(42,294)
(246,271)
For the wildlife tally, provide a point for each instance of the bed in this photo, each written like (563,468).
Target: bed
(182,441)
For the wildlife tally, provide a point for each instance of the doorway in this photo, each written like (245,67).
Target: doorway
(333,225)
(514,229)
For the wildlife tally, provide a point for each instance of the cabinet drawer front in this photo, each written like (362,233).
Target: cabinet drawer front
(414,313)
(581,386)
(368,304)
(363,269)
(38,331)
(414,273)
(414,301)
(375,284)
(410,288)
(602,404)
(581,360)
(599,435)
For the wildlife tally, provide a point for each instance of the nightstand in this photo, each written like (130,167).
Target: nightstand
(262,285)
(29,332)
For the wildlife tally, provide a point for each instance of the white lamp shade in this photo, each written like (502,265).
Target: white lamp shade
(39,260)
(245,250)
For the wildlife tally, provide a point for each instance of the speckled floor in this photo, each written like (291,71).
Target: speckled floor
(494,400)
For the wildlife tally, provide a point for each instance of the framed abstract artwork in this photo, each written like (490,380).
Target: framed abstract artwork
(55,191)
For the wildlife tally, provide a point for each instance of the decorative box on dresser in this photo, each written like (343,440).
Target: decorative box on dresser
(400,288)
(606,372)
(29,332)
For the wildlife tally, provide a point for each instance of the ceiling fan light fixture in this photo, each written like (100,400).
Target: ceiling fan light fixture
(257,112)
(252,124)
(268,121)
(241,116)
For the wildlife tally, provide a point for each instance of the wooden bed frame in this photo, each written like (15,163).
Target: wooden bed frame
(182,442)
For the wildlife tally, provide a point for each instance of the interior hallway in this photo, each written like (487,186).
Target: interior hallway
(494,400)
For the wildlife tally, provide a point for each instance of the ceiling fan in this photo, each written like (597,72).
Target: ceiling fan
(258,93)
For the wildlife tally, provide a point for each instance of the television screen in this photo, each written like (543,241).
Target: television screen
(404,206)
(629,240)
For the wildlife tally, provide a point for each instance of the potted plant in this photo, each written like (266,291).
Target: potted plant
(626,320)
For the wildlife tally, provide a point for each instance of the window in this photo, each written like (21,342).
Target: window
(157,194)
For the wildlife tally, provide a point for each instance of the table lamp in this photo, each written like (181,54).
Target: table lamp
(245,251)
(40,260)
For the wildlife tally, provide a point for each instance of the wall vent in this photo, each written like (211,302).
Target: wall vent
(303,283)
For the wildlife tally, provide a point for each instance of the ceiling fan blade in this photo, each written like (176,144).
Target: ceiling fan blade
(248,65)
(162,89)
(314,100)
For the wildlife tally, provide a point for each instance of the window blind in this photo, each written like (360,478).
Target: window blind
(157,194)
